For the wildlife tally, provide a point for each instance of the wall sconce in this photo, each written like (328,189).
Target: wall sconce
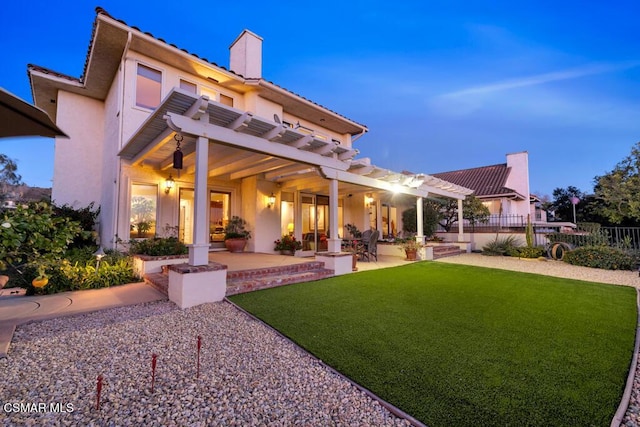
(168,185)
(368,200)
(271,200)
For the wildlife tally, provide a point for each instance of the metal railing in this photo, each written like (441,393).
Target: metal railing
(495,222)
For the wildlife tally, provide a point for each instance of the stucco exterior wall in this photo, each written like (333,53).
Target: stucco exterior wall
(518,180)
(78,161)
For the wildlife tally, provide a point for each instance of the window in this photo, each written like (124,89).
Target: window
(144,202)
(226,100)
(148,87)
(188,86)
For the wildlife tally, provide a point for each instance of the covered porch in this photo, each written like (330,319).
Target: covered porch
(281,178)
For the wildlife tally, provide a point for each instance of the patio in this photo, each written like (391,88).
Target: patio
(251,260)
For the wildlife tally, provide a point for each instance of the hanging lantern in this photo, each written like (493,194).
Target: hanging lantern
(177,155)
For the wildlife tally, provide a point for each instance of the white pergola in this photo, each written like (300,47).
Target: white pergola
(269,147)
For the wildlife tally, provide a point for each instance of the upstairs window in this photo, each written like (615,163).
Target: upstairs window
(188,86)
(148,87)
(226,100)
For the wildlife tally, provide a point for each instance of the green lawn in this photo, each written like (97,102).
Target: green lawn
(462,345)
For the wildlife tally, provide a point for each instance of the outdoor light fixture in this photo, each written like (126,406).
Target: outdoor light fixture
(368,200)
(99,254)
(177,155)
(169,183)
(271,200)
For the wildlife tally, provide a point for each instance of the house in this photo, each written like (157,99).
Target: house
(502,188)
(159,136)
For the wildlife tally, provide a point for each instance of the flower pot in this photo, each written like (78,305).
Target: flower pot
(287,252)
(411,254)
(3,281)
(235,245)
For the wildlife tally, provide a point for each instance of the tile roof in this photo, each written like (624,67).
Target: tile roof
(101,11)
(485,180)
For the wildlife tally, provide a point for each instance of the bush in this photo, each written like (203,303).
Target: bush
(594,238)
(33,233)
(158,246)
(601,257)
(500,247)
(86,217)
(527,252)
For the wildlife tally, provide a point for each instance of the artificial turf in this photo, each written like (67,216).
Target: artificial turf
(463,345)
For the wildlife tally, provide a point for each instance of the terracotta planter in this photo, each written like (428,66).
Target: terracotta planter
(235,245)
(286,252)
(3,281)
(411,254)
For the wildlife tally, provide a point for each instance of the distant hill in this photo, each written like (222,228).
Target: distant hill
(25,193)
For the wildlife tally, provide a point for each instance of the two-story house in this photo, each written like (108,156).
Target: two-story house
(159,136)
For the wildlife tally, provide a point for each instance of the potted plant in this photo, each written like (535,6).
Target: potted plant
(287,245)
(236,234)
(354,248)
(410,247)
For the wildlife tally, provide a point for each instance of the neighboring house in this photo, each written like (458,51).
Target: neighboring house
(503,188)
(247,147)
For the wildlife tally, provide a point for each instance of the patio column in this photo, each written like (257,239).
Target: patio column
(460,222)
(333,243)
(420,219)
(199,250)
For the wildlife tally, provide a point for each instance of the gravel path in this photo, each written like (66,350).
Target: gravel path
(249,375)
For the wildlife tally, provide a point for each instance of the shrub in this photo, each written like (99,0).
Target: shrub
(502,246)
(158,246)
(600,257)
(33,233)
(86,217)
(78,272)
(594,238)
(527,252)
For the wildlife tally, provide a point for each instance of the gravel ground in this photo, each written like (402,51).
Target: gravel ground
(249,375)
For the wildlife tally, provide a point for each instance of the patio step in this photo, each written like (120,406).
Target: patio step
(159,281)
(242,281)
(445,251)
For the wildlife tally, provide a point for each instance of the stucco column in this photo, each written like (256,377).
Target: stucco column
(420,219)
(333,243)
(460,222)
(199,250)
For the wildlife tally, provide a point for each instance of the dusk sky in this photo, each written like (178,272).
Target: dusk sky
(442,85)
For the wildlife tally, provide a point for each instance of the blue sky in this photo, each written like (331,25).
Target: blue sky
(442,85)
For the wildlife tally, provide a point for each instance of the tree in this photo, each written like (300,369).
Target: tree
(445,214)
(473,210)
(8,175)
(562,206)
(618,191)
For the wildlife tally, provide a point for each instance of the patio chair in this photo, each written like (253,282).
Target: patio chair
(370,247)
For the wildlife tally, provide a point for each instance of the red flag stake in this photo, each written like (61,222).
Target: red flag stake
(199,345)
(98,391)
(153,370)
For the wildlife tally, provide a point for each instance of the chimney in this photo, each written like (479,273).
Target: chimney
(246,55)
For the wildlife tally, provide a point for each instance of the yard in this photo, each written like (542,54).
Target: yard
(462,345)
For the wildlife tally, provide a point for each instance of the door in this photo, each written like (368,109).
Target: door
(315,223)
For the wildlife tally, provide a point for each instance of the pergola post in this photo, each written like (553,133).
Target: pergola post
(333,243)
(460,222)
(420,219)
(199,250)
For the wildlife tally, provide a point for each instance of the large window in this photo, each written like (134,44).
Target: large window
(144,202)
(148,87)
(287,214)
